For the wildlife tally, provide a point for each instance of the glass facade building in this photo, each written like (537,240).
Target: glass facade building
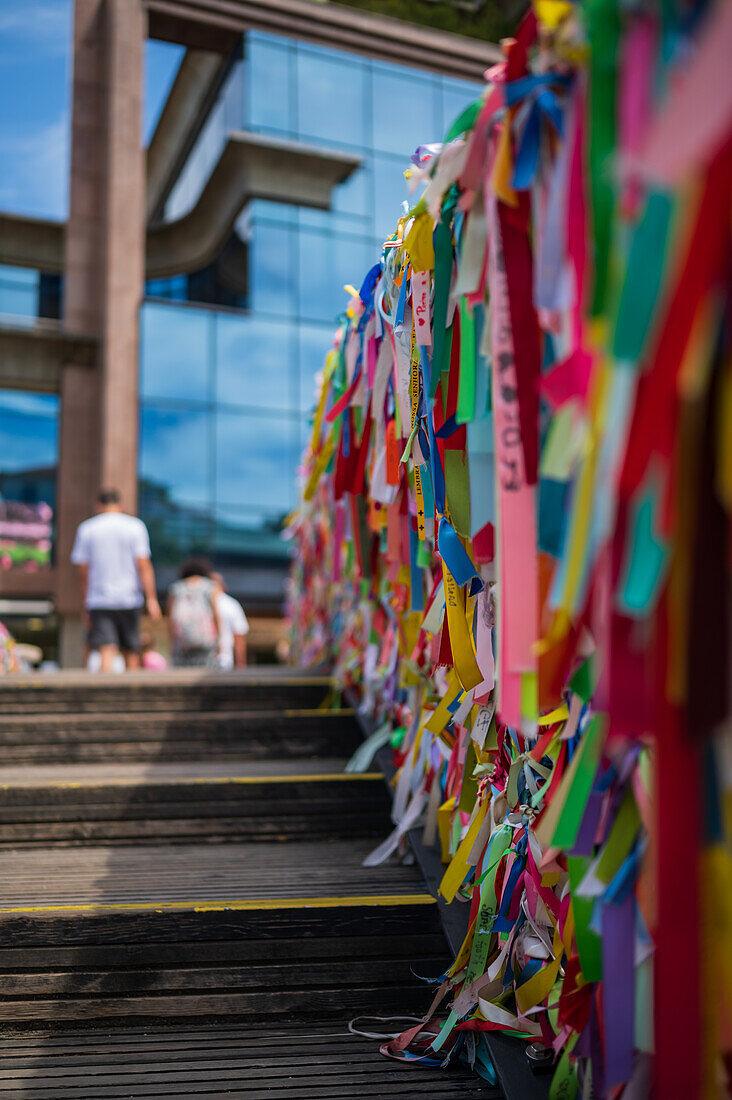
(28,432)
(26,295)
(229,355)
(28,464)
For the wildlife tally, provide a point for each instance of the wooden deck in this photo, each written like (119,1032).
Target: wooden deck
(183,906)
(292,1063)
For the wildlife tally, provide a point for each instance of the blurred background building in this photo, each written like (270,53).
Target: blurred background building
(231,166)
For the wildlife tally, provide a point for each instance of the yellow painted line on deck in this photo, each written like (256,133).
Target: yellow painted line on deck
(96,683)
(309,712)
(151,780)
(251,904)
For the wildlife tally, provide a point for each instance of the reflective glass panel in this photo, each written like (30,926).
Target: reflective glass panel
(19,291)
(405,106)
(28,458)
(175,453)
(456,96)
(255,461)
(272,284)
(316,284)
(327,263)
(331,97)
(175,350)
(390,190)
(262,208)
(252,533)
(177,531)
(315,342)
(255,362)
(269,86)
(28,432)
(351,205)
(173,287)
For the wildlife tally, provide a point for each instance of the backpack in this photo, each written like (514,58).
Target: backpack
(192,619)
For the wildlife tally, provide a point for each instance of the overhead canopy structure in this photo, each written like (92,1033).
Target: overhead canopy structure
(194,88)
(251,166)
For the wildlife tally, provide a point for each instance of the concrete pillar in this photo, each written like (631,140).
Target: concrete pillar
(105,252)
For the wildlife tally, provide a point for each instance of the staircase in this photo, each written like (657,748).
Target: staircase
(183,906)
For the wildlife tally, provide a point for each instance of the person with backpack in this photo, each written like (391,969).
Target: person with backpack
(193,616)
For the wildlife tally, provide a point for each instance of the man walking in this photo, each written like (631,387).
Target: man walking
(112,551)
(233,628)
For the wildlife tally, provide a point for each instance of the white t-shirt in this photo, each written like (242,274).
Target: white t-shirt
(109,544)
(232,621)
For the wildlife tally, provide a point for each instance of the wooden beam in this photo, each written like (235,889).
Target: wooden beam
(33,358)
(334,25)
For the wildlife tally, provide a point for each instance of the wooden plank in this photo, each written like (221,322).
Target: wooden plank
(158,874)
(224,925)
(281,791)
(394,946)
(174,1037)
(219,1064)
(194,978)
(215,1050)
(285,1060)
(360,1074)
(131,775)
(318,1002)
(171,750)
(224,725)
(150,831)
(171,1036)
(380,1090)
(150,692)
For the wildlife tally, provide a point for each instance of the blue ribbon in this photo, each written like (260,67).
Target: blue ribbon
(425,360)
(544,105)
(401,303)
(368,286)
(438,477)
(515,90)
(454,554)
(448,428)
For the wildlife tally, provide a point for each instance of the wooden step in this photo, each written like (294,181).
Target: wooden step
(193,875)
(285,804)
(211,931)
(263,688)
(223,735)
(256,1063)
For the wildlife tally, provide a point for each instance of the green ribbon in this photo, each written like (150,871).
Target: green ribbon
(442,242)
(589,944)
(643,278)
(466,387)
(603,28)
(584,768)
(465,121)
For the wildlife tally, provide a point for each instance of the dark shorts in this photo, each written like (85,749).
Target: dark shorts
(115,626)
